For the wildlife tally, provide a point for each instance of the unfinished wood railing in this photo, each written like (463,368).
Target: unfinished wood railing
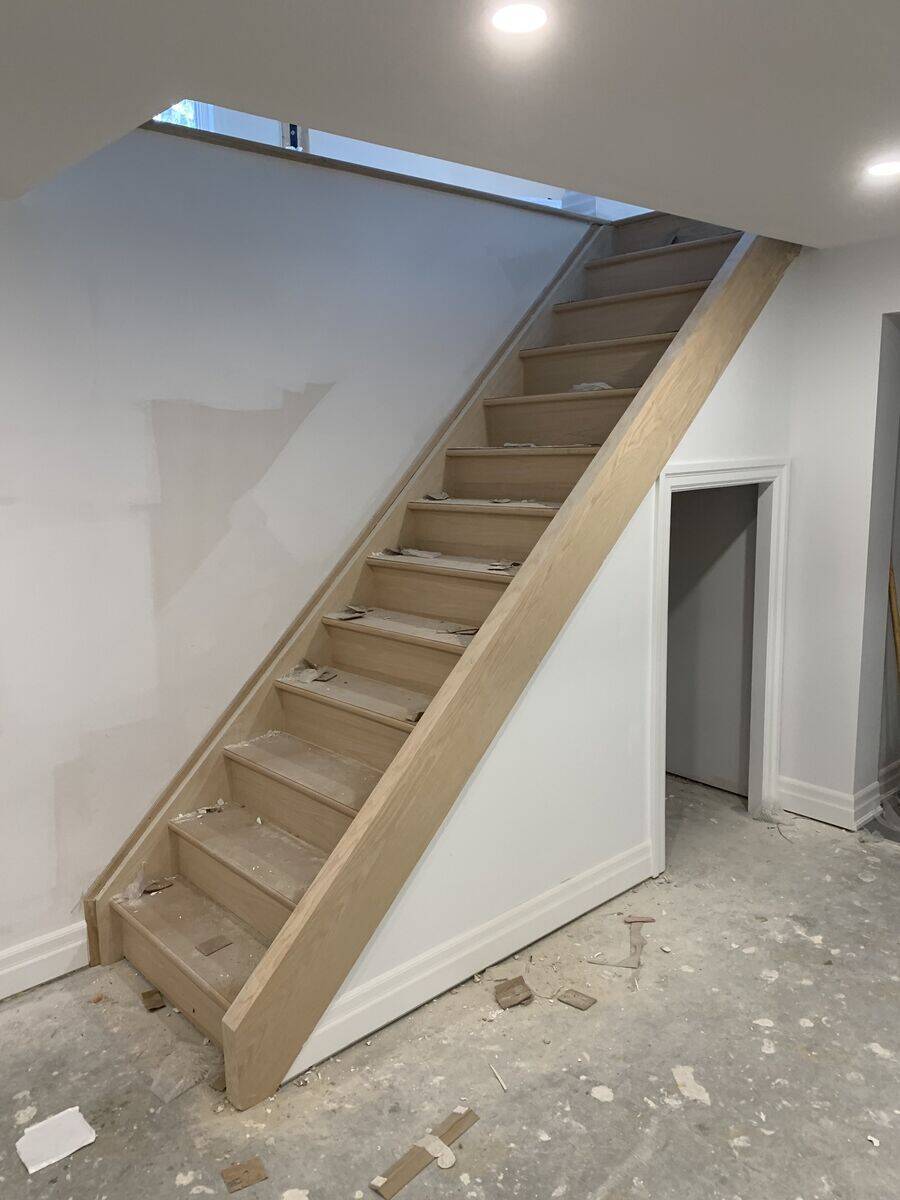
(313,953)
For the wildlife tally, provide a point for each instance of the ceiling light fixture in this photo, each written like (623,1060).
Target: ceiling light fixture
(519,18)
(888,169)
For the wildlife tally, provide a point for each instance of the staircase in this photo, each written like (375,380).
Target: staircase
(270,807)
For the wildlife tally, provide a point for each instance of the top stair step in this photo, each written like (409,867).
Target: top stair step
(658,266)
(628,314)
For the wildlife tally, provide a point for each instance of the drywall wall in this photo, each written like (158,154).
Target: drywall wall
(712,573)
(565,791)
(213,368)
(887,475)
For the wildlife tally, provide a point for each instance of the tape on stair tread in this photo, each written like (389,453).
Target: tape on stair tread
(350,612)
(520,445)
(599,386)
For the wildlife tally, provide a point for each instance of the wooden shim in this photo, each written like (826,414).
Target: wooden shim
(416,1159)
(244,1175)
(511,992)
(576,999)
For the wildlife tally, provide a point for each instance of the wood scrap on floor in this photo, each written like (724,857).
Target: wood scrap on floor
(576,999)
(153,1000)
(244,1175)
(152,886)
(511,992)
(419,1156)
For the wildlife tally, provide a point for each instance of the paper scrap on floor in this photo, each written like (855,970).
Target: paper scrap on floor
(52,1140)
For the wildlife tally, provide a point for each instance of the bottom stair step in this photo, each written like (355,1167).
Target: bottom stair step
(254,869)
(160,935)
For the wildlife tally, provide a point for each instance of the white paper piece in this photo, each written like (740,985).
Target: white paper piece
(52,1140)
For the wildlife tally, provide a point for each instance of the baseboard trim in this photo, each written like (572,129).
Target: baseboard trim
(847,810)
(377,1002)
(889,779)
(43,958)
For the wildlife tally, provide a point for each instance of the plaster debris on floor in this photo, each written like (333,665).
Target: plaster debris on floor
(769,1075)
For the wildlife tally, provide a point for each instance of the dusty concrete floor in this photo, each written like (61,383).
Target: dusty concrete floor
(779,989)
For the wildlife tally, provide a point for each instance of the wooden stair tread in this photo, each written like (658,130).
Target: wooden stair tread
(344,781)
(461,504)
(572,394)
(178,919)
(444,564)
(521,451)
(589,347)
(364,694)
(408,626)
(652,251)
(274,859)
(673,289)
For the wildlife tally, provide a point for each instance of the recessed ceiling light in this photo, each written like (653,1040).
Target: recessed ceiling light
(884,170)
(520,18)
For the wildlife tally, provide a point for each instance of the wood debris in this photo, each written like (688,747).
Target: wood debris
(244,1175)
(211,945)
(152,1000)
(418,1157)
(436,496)
(511,992)
(576,999)
(640,920)
(152,886)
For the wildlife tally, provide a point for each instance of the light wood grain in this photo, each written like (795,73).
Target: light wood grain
(621,363)
(605,317)
(560,418)
(547,473)
(684,262)
(281,1004)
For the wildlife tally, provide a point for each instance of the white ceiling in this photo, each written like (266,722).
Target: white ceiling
(758,114)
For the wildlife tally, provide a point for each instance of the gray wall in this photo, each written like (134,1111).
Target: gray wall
(711,577)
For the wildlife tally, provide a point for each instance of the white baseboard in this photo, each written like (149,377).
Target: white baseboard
(889,779)
(43,958)
(847,810)
(358,1012)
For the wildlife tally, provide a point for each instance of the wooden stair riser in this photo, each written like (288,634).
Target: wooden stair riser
(621,365)
(629,317)
(232,889)
(688,264)
(301,814)
(484,476)
(432,594)
(657,230)
(412,664)
(495,534)
(353,734)
(568,418)
(167,974)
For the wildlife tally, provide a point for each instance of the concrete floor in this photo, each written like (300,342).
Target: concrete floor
(778,988)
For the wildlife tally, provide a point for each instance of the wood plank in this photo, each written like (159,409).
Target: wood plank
(623,362)
(646,230)
(257,871)
(458,589)
(363,877)
(161,934)
(685,262)
(547,473)
(560,417)
(631,315)
(343,731)
(363,694)
(333,778)
(477,530)
(416,1159)
(304,815)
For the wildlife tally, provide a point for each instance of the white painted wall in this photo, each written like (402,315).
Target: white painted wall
(565,789)
(213,368)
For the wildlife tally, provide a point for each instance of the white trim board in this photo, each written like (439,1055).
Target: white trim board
(43,958)
(889,779)
(360,1011)
(768,628)
(845,809)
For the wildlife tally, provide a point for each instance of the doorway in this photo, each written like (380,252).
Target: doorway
(712,552)
(718,604)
